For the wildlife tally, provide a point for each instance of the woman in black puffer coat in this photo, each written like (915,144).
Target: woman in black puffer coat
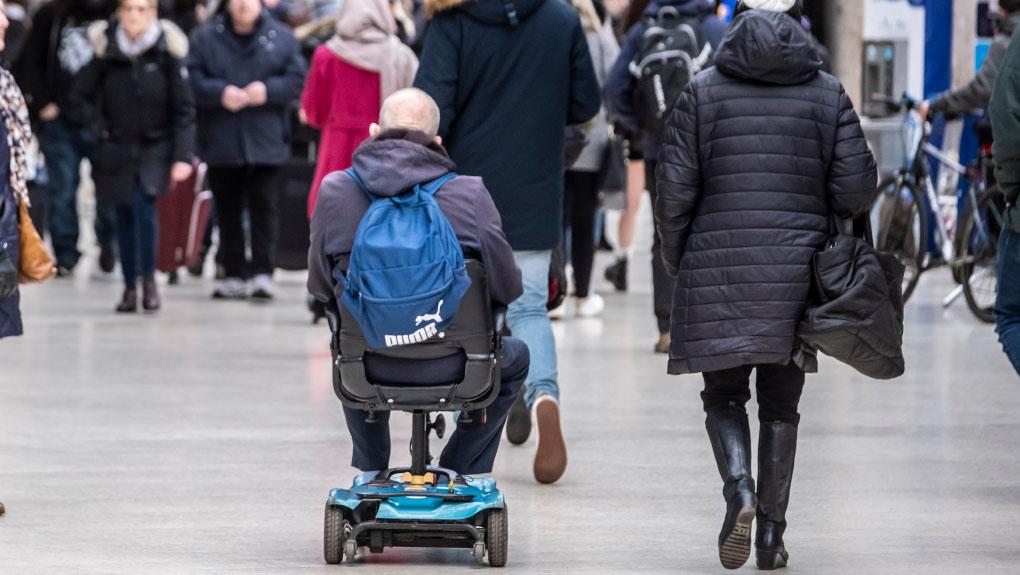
(760,151)
(136,93)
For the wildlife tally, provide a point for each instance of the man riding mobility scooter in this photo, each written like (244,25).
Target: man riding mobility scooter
(420,505)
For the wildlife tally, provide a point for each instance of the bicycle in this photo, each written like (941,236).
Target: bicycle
(908,205)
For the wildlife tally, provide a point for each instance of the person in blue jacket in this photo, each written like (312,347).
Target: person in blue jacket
(621,88)
(509,76)
(246,71)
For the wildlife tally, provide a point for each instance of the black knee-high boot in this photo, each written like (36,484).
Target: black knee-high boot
(731,443)
(777,448)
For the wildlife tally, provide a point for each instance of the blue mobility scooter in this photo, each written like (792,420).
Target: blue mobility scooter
(420,505)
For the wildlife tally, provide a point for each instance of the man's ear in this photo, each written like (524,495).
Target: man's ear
(439,140)
(374,130)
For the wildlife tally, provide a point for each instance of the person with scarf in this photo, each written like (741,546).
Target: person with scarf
(137,95)
(351,75)
(14,142)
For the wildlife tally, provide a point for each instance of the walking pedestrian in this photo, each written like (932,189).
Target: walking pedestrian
(509,76)
(358,68)
(1005,113)
(760,154)
(624,91)
(15,136)
(136,92)
(246,69)
(56,52)
(581,183)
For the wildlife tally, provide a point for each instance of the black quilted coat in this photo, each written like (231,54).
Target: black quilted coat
(758,152)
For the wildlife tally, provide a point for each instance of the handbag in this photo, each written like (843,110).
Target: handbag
(36,263)
(612,179)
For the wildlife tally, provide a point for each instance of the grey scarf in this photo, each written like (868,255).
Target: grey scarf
(141,44)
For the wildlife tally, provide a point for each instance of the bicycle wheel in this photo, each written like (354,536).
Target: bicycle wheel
(899,229)
(981,230)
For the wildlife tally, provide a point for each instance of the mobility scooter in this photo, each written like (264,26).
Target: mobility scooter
(420,505)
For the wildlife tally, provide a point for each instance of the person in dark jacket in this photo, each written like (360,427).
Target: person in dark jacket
(405,151)
(246,70)
(509,76)
(136,92)
(621,95)
(1005,114)
(760,153)
(56,52)
(977,93)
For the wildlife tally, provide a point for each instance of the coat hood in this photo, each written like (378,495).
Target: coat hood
(684,7)
(173,38)
(397,160)
(491,12)
(768,47)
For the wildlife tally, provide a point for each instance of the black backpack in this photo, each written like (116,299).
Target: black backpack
(673,50)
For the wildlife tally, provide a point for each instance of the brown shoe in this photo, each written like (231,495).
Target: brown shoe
(663,345)
(2,510)
(551,455)
(128,301)
(150,295)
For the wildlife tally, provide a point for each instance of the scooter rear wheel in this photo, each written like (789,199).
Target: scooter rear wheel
(334,535)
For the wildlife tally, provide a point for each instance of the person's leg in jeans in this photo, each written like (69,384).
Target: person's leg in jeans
(62,164)
(472,447)
(662,284)
(228,188)
(127,239)
(263,198)
(529,322)
(1007,303)
(145,220)
(371,440)
(583,189)
(779,391)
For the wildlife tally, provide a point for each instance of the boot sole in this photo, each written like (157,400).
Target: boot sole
(735,549)
(551,455)
(518,423)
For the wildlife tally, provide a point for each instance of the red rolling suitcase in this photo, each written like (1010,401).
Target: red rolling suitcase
(183,216)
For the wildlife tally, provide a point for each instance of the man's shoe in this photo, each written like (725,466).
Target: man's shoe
(518,423)
(616,274)
(262,287)
(128,301)
(551,455)
(663,344)
(777,449)
(231,288)
(730,436)
(2,510)
(107,259)
(150,295)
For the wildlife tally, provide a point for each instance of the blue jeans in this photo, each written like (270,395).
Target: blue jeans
(136,235)
(472,447)
(1007,305)
(64,147)
(528,319)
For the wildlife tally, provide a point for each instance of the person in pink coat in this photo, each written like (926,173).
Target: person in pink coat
(351,75)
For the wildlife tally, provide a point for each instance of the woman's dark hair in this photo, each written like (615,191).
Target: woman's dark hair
(796,12)
(635,12)
(1010,6)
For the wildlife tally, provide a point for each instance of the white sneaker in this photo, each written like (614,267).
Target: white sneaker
(231,288)
(262,287)
(591,306)
(560,312)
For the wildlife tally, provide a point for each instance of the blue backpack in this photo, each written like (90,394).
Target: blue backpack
(406,276)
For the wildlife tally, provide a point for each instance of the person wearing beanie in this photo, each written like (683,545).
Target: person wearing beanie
(978,92)
(761,152)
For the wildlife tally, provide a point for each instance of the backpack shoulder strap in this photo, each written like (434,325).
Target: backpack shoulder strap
(361,183)
(432,187)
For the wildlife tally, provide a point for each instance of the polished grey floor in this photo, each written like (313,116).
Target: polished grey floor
(205,440)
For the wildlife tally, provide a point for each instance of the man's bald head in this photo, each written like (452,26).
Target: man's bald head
(410,109)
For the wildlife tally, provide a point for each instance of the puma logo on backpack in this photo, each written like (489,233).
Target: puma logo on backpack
(406,262)
(673,51)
